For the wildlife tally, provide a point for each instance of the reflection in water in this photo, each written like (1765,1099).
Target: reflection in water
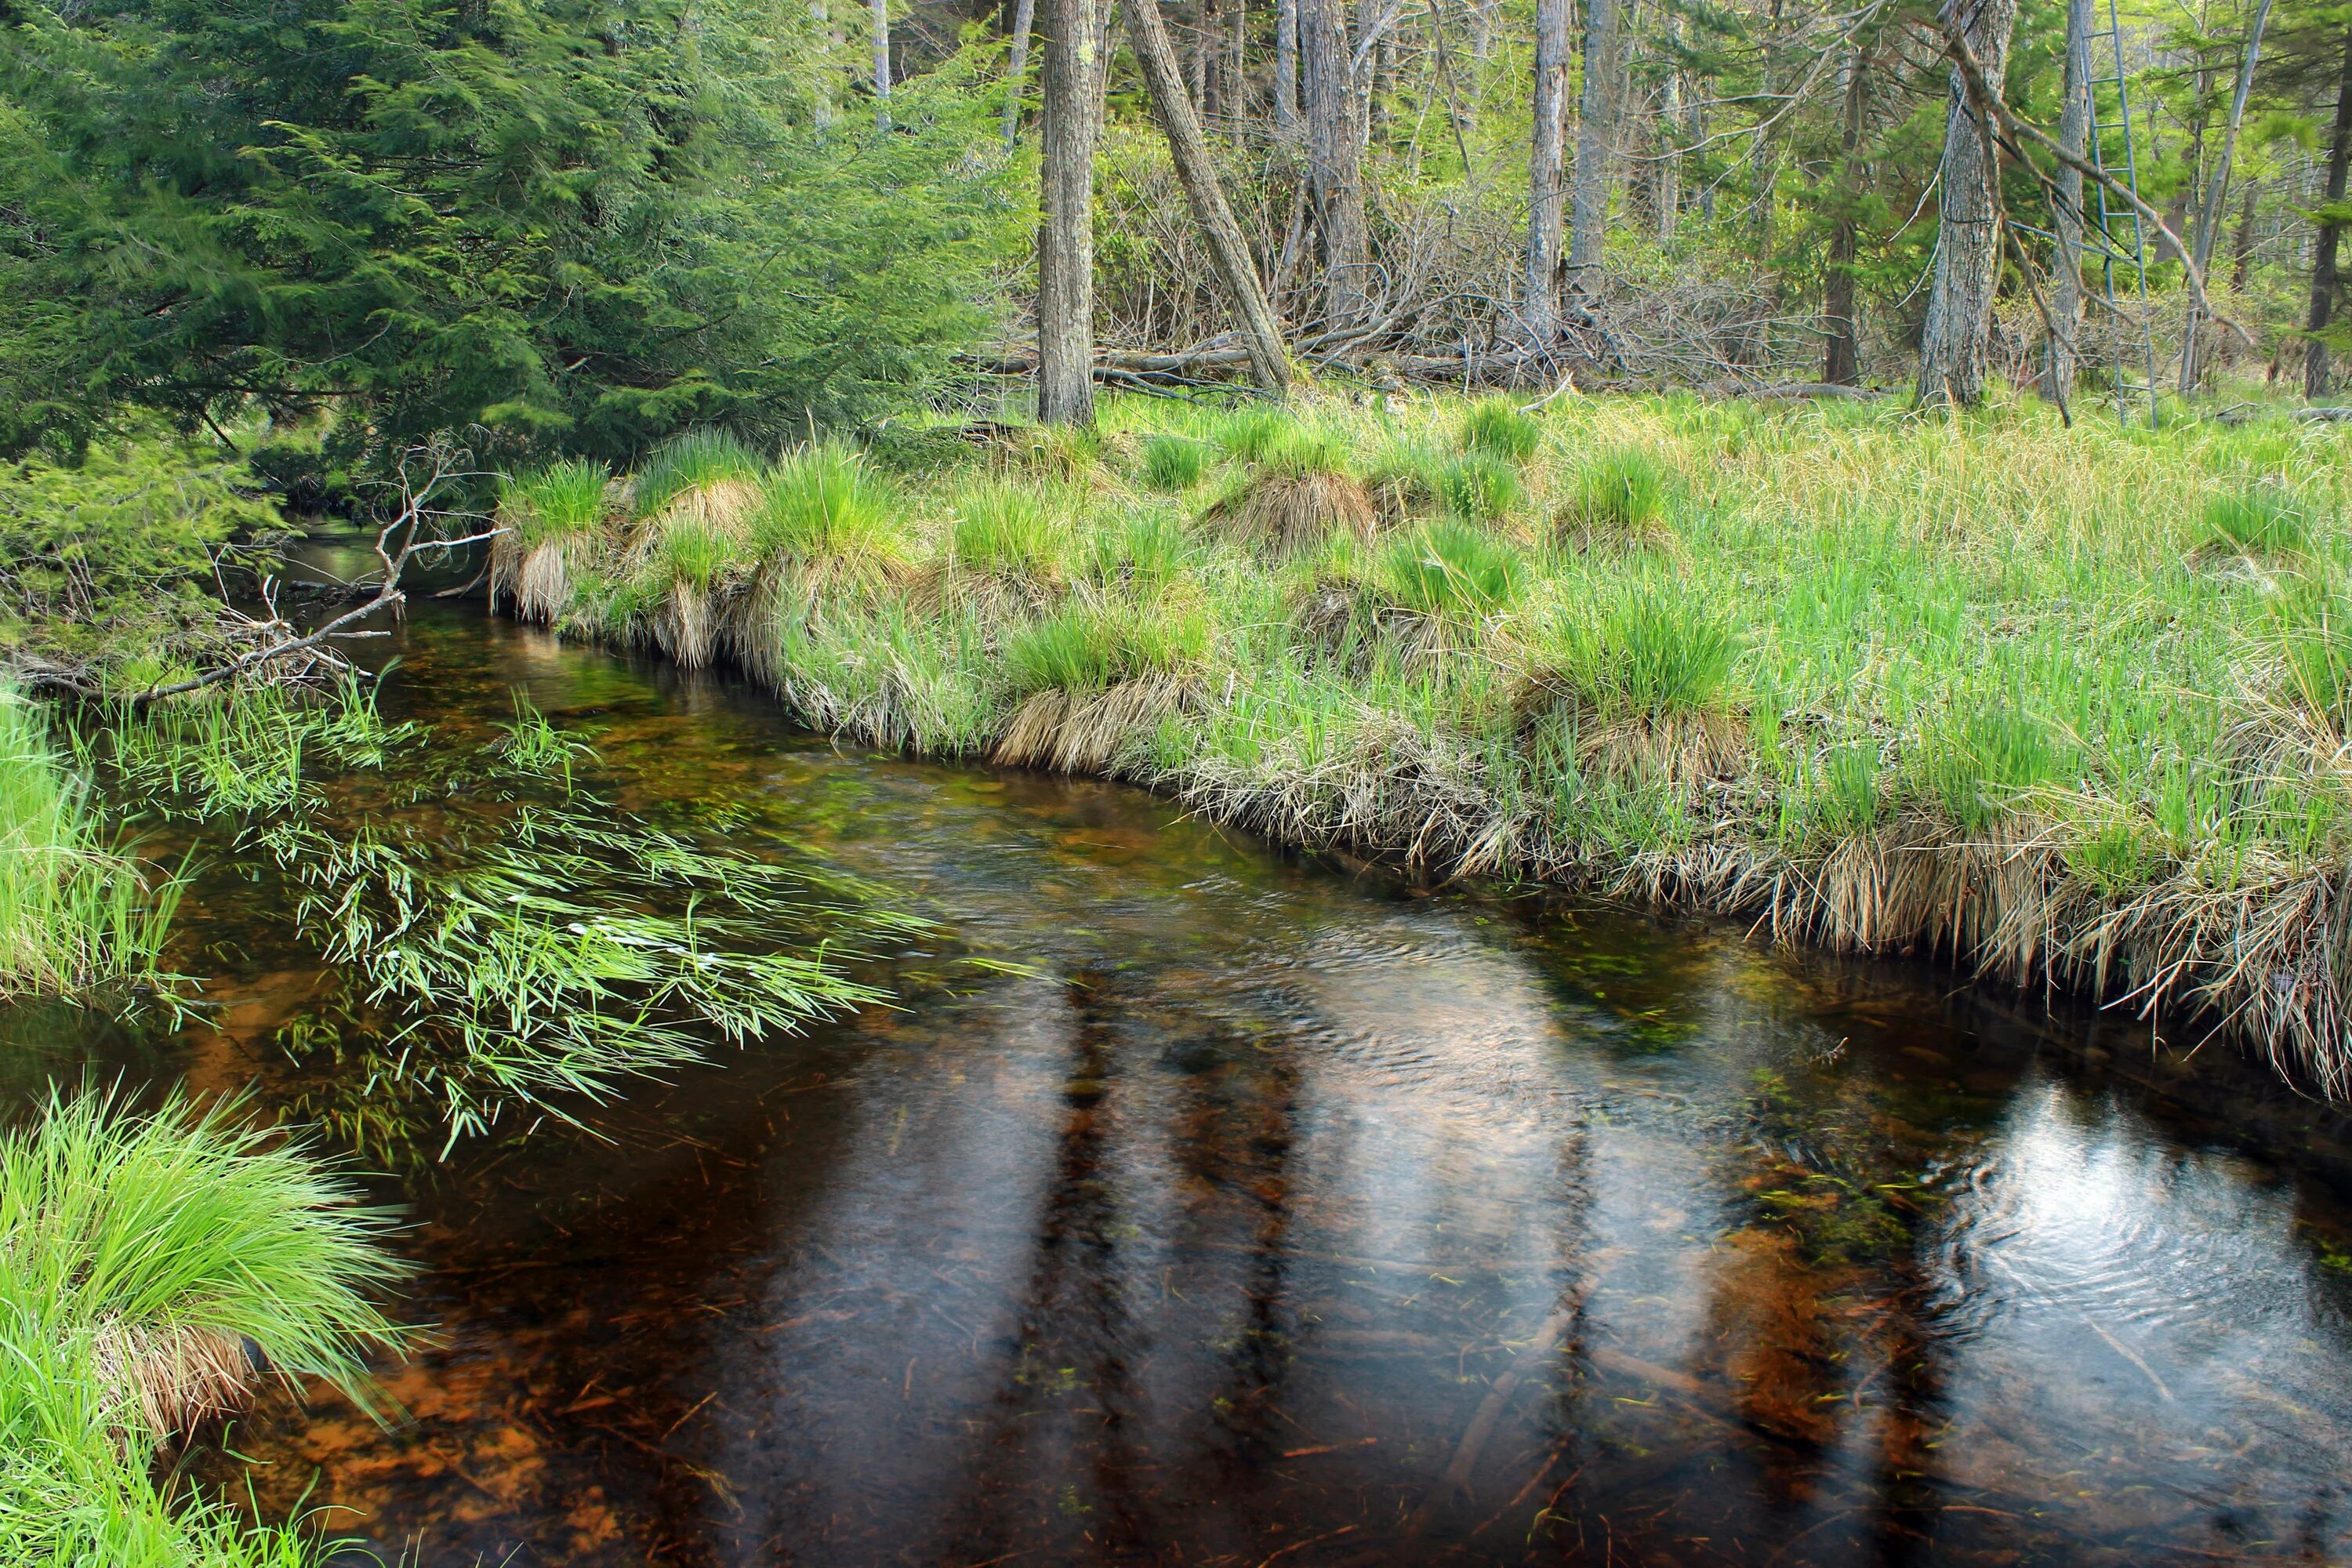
(1271,1217)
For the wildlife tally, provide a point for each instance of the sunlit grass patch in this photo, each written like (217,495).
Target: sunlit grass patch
(1495,427)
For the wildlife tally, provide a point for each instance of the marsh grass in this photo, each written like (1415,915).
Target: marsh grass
(76,911)
(159,1264)
(1495,427)
(1968,688)
(553,519)
(532,746)
(1173,462)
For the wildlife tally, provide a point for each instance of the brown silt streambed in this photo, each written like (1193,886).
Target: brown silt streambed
(1269,1215)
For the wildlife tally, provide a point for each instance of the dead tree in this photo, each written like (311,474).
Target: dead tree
(2322,258)
(1547,151)
(1269,361)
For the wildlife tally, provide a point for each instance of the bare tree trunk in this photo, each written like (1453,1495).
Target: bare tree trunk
(1334,160)
(1596,137)
(881,10)
(1016,68)
(2323,256)
(2217,190)
(2063,355)
(1198,36)
(1237,72)
(1546,197)
(1066,243)
(1261,335)
(1841,349)
(1959,301)
(1669,154)
(1285,65)
(2242,262)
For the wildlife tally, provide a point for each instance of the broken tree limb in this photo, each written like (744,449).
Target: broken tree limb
(1171,105)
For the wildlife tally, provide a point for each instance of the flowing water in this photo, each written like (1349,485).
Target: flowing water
(1280,1213)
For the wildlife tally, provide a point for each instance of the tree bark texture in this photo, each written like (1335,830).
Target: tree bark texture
(2062,357)
(2323,254)
(1546,158)
(881,10)
(1596,140)
(1285,65)
(1669,154)
(1334,160)
(1016,67)
(1960,300)
(1842,344)
(1072,44)
(1228,251)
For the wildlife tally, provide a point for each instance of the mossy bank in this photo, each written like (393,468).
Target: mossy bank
(2070,706)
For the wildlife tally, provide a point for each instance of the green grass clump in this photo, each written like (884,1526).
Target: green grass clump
(1448,570)
(1617,499)
(2311,626)
(1173,462)
(1008,530)
(1306,454)
(145,1252)
(73,911)
(2262,520)
(1495,426)
(698,459)
(824,502)
(1084,648)
(1251,435)
(563,500)
(1477,488)
(1654,654)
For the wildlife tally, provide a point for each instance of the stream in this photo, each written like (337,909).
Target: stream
(1261,1210)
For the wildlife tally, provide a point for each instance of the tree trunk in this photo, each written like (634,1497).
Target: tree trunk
(1016,68)
(820,110)
(2217,190)
(1334,160)
(1547,194)
(1285,65)
(1269,360)
(2322,254)
(1669,154)
(2063,355)
(1203,85)
(1841,348)
(1066,243)
(1959,301)
(2242,244)
(1596,136)
(881,10)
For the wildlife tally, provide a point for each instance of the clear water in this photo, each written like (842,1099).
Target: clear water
(1290,1214)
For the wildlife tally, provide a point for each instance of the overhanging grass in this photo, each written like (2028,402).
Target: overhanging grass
(75,912)
(145,1252)
(2060,703)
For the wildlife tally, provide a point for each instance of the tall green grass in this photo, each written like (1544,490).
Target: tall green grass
(146,1252)
(692,461)
(560,502)
(76,912)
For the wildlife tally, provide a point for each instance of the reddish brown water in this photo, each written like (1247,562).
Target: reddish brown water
(1286,1218)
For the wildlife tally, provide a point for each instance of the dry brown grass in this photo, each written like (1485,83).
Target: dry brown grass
(1281,514)
(1087,732)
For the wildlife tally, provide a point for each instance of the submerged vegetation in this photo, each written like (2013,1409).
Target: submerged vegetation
(2063,704)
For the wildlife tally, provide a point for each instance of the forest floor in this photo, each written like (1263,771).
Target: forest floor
(2067,705)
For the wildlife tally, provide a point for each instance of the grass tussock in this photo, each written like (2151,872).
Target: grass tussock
(1970,688)
(160,1265)
(552,519)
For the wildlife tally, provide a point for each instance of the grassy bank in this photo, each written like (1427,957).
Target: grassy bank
(2070,706)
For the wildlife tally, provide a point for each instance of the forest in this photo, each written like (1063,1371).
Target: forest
(1117,781)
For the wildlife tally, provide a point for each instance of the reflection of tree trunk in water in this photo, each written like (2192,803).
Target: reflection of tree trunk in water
(1074,1321)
